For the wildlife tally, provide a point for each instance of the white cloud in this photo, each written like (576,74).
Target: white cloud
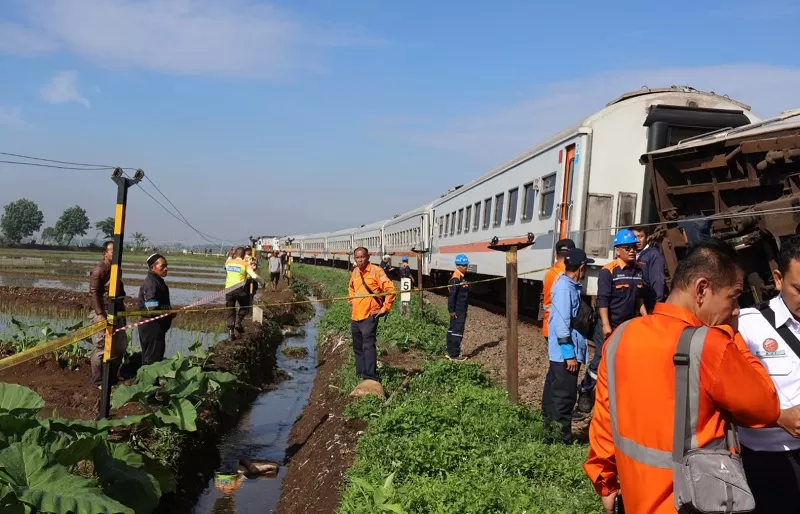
(199,37)
(63,89)
(10,116)
(495,136)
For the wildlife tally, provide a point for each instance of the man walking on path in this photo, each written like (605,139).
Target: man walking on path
(154,296)
(567,347)
(237,272)
(99,281)
(457,303)
(365,281)
(275,267)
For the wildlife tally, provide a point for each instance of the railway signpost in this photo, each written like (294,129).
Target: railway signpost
(420,259)
(123,183)
(512,311)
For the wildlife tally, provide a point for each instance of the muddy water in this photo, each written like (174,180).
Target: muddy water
(263,433)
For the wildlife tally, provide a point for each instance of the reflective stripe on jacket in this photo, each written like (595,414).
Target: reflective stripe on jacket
(631,437)
(378,282)
(236,272)
(458,293)
(547,299)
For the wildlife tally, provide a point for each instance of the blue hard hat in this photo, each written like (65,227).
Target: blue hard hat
(404,259)
(625,237)
(462,260)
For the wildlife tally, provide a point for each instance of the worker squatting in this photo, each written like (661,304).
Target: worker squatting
(695,402)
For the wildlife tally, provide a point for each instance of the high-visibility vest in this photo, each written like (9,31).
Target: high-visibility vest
(236,271)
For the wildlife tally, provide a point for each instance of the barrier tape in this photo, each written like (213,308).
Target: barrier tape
(52,346)
(90,330)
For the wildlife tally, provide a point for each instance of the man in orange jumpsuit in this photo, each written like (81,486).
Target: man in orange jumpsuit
(562,247)
(732,383)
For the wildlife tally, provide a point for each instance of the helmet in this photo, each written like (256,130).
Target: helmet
(625,237)
(404,259)
(462,260)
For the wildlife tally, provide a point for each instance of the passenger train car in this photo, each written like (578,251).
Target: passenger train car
(582,183)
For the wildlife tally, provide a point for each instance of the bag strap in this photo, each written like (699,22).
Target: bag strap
(682,361)
(377,298)
(783,331)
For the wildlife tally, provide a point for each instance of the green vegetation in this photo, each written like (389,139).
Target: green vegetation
(295,352)
(20,219)
(453,442)
(129,257)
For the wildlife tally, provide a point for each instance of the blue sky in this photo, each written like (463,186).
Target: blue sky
(282,117)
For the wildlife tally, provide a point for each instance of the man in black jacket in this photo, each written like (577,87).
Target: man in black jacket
(154,296)
(457,303)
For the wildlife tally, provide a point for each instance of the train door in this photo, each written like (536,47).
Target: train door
(565,207)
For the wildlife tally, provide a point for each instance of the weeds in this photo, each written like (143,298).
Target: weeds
(295,352)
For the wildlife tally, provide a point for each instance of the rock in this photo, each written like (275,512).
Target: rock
(256,468)
(368,387)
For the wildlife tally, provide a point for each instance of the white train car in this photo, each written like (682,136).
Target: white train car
(370,237)
(339,247)
(583,183)
(407,232)
(311,246)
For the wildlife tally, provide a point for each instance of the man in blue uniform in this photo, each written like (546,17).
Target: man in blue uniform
(457,307)
(620,297)
(652,262)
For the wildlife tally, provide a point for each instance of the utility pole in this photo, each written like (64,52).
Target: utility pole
(512,311)
(123,183)
(420,261)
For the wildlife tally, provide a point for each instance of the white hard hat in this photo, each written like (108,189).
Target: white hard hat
(386,256)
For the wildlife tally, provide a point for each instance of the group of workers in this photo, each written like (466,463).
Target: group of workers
(694,402)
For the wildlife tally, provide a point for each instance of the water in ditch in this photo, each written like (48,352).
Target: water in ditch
(263,432)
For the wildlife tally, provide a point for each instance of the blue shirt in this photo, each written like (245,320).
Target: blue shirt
(619,286)
(652,263)
(564,342)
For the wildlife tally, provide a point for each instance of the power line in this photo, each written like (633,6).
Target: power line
(55,166)
(57,161)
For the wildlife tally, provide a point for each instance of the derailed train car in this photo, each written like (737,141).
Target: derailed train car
(741,185)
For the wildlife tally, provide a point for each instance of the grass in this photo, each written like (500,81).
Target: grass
(453,443)
(128,256)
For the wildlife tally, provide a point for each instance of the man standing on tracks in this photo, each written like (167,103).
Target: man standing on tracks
(567,346)
(237,272)
(562,247)
(154,296)
(620,297)
(99,282)
(771,456)
(366,281)
(631,434)
(652,262)
(457,303)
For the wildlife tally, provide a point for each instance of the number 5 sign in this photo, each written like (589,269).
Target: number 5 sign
(405,287)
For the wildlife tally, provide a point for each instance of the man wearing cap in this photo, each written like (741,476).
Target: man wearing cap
(562,247)
(457,303)
(154,296)
(567,347)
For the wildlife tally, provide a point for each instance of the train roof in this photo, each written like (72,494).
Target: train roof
(583,126)
(786,121)
(371,226)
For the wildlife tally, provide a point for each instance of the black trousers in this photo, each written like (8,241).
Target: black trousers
(774,478)
(153,339)
(241,297)
(559,397)
(366,354)
(455,333)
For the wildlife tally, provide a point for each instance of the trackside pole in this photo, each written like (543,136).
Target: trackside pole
(123,183)
(512,313)
(420,261)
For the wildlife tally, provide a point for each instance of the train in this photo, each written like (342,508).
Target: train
(613,169)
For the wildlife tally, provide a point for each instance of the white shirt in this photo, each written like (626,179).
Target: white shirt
(783,366)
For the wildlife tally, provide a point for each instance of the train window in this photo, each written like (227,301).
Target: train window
(498,209)
(467,215)
(528,201)
(446,224)
(477,223)
(487,213)
(460,220)
(597,238)
(453,223)
(626,209)
(547,196)
(511,213)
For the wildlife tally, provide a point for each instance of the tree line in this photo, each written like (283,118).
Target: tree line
(22,219)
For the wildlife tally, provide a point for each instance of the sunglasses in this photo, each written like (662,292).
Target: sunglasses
(628,248)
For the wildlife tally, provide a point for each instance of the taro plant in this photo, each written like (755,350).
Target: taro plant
(58,466)
(173,391)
